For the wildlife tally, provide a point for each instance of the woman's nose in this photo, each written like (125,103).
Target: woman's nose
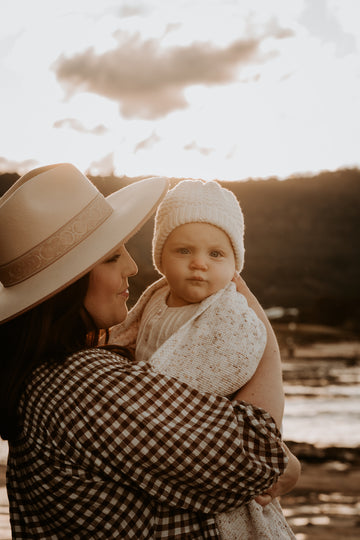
(131,266)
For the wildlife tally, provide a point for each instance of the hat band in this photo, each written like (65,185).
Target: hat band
(58,244)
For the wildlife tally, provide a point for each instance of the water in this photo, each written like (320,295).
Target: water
(3,452)
(322,387)
(328,419)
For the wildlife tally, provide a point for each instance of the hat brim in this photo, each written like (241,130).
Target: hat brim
(133,206)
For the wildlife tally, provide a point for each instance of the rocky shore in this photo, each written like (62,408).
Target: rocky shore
(325,504)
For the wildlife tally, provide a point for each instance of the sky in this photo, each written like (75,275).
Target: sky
(212,89)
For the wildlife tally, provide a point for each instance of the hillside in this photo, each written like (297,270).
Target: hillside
(302,243)
(301,239)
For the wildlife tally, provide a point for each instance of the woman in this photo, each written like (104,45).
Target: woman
(99,445)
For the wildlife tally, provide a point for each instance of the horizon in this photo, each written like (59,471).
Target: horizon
(113,176)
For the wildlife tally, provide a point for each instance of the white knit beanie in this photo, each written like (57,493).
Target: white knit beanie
(192,201)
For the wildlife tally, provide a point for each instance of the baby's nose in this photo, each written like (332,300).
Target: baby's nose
(199,262)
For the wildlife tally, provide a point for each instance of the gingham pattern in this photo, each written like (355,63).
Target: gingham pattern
(111,450)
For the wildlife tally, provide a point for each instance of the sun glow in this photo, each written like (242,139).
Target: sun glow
(145,89)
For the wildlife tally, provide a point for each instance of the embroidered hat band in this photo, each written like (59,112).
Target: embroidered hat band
(55,226)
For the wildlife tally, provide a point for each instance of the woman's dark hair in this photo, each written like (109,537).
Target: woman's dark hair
(49,332)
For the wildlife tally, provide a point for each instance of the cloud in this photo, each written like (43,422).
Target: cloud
(172,27)
(321,22)
(148,81)
(103,166)
(21,167)
(76,125)
(131,10)
(8,43)
(232,152)
(202,150)
(147,143)
(273,29)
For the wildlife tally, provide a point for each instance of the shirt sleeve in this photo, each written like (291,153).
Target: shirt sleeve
(151,432)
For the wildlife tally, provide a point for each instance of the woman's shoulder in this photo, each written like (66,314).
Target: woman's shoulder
(96,358)
(91,371)
(82,365)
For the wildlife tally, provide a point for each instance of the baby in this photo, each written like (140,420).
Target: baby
(192,324)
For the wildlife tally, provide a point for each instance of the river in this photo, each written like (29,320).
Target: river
(322,388)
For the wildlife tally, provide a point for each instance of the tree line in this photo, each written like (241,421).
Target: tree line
(301,242)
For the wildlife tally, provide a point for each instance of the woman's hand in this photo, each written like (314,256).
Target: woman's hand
(286,482)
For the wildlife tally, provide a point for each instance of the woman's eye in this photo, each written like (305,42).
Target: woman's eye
(114,258)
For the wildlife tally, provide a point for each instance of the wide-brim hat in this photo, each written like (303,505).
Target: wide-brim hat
(55,226)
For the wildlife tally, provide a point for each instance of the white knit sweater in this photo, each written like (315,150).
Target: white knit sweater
(214,347)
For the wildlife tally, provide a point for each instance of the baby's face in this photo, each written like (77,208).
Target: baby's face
(197,260)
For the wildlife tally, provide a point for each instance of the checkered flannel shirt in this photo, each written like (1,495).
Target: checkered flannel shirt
(110,449)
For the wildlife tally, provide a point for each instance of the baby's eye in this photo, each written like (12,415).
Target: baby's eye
(215,254)
(183,250)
